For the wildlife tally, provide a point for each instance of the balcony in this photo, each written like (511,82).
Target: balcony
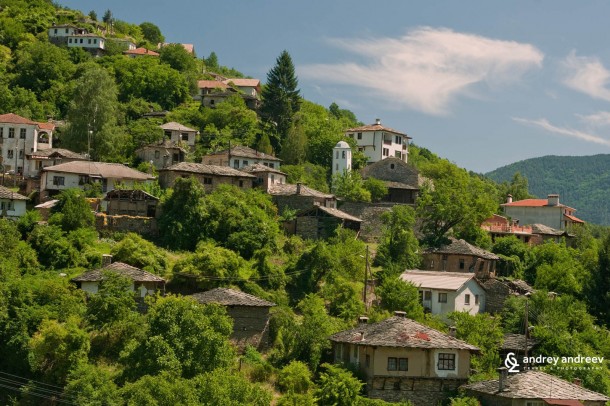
(505,228)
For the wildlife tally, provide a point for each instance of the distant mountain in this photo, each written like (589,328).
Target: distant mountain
(583,182)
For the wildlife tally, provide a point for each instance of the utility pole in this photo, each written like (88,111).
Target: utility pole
(366,272)
(526,325)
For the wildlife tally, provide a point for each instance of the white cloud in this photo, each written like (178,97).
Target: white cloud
(569,132)
(587,75)
(599,119)
(427,68)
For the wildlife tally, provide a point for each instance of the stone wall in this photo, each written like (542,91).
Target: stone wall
(370,213)
(420,391)
(496,294)
(307,227)
(140,225)
(250,326)
(490,400)
(293,202)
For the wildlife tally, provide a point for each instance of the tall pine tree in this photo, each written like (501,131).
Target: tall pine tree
(281,99)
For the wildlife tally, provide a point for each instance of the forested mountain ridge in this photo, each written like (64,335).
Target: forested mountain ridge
(582,182)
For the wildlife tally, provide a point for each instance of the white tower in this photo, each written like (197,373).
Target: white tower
(342,157)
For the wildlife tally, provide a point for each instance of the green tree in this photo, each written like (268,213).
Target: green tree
(376,188)
(212,61)
(40,65)
(151,33)
(177,57)
(398,248)
(222,387)
(400,295)
(159,390)
(92,385)
(113,302)
(281,99)
(93,115)
(294,147)
(338,387)
(600,284)
(314,176)
(72,211)
(93,15)
(54,249)
(349,185)
(136,251)
(264,144)
(295,378)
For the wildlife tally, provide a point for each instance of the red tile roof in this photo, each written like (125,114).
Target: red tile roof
(15,119)
(140,51)
(533,203)
(573,218)
(46,126)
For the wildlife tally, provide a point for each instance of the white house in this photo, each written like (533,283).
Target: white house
(342,158)
(445,292)
(64,31)
(266,177)
(87,41)
(177,133)
(77,174)
(239,157)
(12,204)
(379,142)
(19,137)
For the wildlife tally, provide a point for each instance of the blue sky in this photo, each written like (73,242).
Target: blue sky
(482,83)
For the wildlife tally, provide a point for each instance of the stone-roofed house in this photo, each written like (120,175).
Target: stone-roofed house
(404,360)
(499,289)
(239,157)
(401,179)
(213,92)
(130,202)
(300,197)
(265,176)
(460,256)
(140,52)
(533,388)
(163,153)
(48,157)
(178,133)
(144,283)
(378,142)
(12,204)
(541,211)
(321,222)
(78,174)
(250,315)
(445,292)
(210,176)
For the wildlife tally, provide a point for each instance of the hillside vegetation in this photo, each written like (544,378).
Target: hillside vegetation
(583,182)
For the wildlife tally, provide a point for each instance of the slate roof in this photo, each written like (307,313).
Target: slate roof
(461,247)
(102,169)
(400,332)
(131,272)
(546,230)
(165,143)
(516,342)
(375,127)
(61,152)
(207,169)
(6,193)
(331,212)
(536,385)
(12,118)
(255,168)
(287,189)
(141,51)
(173,126)
(437,280)
(246,152)
(230,297)
(400,185)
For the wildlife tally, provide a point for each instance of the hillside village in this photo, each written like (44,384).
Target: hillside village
(176,233)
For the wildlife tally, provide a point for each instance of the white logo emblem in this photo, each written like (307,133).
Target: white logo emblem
(511,362)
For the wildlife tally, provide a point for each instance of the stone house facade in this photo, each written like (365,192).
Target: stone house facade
(210,176)
(130,202)
(402,360)
(321,222)
(460,256)
(250,315)
(178,133)
(300,197)
(162,154)
(239,157)
(402,180)
(266,177)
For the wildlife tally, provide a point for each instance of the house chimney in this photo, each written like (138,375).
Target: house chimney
(553,200)
(298,188)
(402,314)
(363,320)
(362,336)
(106,260)
(378,121)
(509,198)
(577,382)
(503,374)
(452,330)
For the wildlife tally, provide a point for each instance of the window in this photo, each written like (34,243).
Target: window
(476,299)
(367,359)
(466,299)
(403,364)
(185,136)
(81,40)
(21,154)
(168,134)
(445,259)
(83,179)
(271,166)
(70,40)
(11,133)
(337,167)
(245,163)
(157,154)
(351,135)
(212,102)
(397,139)
(1,132)
(9,154)
(89,41)
(442,298)
(95,40)
(236,164)
(58,180)
(343,154)
(241,183)
(361,149)
(461,263)
(272,178)
(66,30)
(398,154)
(427,295)
(207,181)
(386,152)
(336,154)
(446,362)
(55,31)
(359,136)
(392,364)
(20,170)
(432,264)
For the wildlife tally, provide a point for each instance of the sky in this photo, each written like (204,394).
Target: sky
(481,83)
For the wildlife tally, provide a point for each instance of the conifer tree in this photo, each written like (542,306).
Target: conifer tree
(281,99)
